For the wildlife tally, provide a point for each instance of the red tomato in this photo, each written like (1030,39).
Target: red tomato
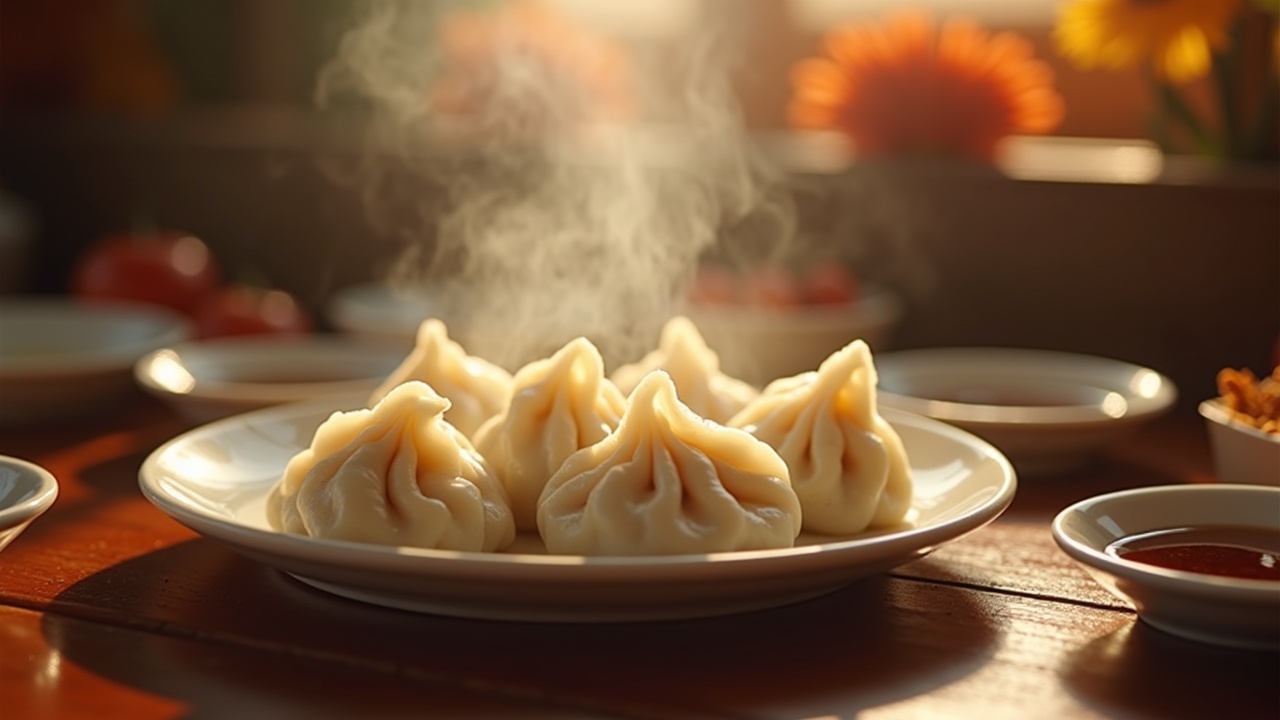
(830,283)
(772,286)
(244,310)
(167,268)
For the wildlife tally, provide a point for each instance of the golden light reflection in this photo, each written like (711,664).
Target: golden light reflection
(169,372)
(1114,405)
(1146,383)
(192,466)
(49,673)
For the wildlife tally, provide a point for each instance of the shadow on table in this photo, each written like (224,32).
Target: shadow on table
(1140,666)
(1043,497)
(870,644)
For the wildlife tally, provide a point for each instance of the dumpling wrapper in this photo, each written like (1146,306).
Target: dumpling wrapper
(694,368)
(398,474)
(669,482)
(476,388)
(559,405)
(847,463)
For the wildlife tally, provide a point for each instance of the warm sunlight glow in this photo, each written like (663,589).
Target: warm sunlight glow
(169,372)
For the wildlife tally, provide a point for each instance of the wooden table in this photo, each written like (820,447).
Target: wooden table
(110,609)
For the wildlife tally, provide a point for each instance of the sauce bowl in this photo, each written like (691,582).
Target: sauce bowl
(1205,607)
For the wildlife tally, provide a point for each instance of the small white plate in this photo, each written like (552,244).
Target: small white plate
(215,480)
(1047,411)
(209,379)
(61,359)
(1210,608)
(26,491)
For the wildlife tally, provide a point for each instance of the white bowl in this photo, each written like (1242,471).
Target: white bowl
(61,359)
(762,344)
(380,313)
(1209,608)
(1241,453)
(1046,411)
(208,379)
(26,491)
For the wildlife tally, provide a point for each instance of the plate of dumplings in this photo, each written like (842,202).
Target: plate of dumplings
(665,489)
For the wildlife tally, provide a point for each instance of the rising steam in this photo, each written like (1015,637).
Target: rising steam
(569,184)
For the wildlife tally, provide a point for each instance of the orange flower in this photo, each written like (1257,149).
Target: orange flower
(901,88)
(523,59)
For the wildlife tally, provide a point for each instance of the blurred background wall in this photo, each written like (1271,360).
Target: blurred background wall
(198,114)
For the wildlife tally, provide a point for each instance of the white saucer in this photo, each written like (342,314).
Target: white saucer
(215,479)
(26,491)
(209,379)
(61,359)
(1047,411)
(1209,608)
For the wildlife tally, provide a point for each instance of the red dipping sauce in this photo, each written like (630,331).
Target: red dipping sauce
(1250,553)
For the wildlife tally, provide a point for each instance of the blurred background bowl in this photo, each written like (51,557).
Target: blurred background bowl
(1241,453)
(762,344)
(1049,412)
(63,359)
(208,379)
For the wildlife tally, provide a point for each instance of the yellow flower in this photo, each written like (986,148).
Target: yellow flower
(902,86)
(1177,36)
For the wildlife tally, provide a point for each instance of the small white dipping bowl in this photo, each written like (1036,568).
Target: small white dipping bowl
(61,359)
(1048,412)
(1241,453)
(1210,608)
(208,379)
(26,491)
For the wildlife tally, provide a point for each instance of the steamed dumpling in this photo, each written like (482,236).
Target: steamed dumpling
(477,388)
(695,370)
(847,463)
(398,474)
(559,405)
(669,482)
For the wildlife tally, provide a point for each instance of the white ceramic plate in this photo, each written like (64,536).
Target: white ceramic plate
(1209,608)
(1047,411)
(26,491)
(215,479)
(209,379)
(62,359)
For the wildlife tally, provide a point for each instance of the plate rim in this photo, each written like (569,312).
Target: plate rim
(26,510)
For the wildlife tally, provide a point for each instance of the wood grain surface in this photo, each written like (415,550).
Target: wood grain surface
(108,608)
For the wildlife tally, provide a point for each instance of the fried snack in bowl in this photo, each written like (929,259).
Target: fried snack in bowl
(1244,427)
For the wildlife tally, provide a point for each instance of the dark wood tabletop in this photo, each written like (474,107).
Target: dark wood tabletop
(108,608)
